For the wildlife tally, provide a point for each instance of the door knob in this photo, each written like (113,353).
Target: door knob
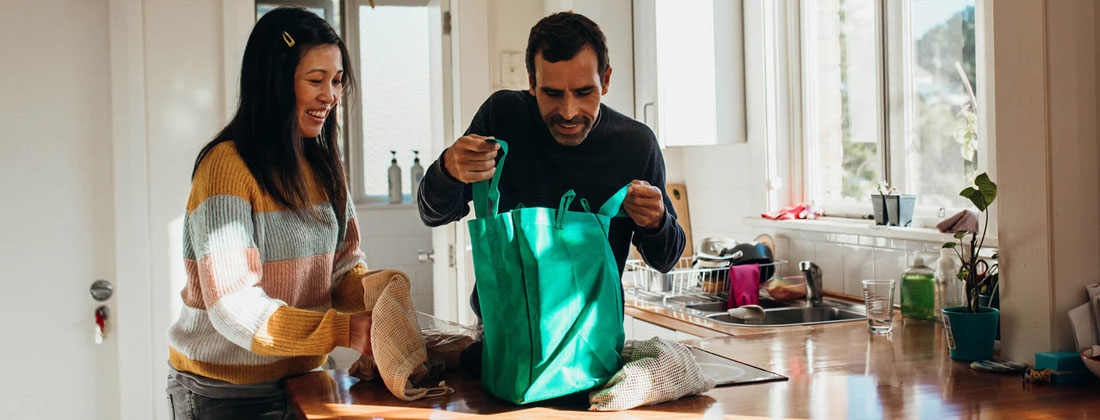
(102,290)
(425,255)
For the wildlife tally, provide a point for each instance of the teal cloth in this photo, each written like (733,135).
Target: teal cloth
(550,297)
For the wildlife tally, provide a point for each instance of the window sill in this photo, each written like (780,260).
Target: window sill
(840,225)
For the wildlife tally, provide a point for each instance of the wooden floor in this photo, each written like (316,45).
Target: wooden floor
(837,371)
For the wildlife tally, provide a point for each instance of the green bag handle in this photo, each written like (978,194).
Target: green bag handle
(613,207)
(563,207)
(487,193)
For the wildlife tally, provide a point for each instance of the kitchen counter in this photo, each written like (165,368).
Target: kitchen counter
(835,370)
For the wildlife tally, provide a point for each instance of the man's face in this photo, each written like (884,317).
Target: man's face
(568,93)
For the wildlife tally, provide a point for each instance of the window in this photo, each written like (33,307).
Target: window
(396,98)
(941,144)
(398,50)
(842,64)
(888,96)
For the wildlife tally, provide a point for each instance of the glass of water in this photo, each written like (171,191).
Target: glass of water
(878,296)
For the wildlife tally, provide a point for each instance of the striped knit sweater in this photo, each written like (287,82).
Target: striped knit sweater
(269,290)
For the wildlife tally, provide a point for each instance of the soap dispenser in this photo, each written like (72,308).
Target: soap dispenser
(416,173)
(395,180)
(918,292)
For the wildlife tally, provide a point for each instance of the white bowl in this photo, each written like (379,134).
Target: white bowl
(1091,362)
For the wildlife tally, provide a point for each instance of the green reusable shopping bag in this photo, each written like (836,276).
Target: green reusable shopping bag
(551,302)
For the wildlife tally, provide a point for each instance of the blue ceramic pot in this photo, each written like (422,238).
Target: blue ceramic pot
(970,335)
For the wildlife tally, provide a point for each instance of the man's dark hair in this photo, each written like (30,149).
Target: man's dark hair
(561,36)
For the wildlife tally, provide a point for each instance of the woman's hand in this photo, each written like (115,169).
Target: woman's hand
(359,332)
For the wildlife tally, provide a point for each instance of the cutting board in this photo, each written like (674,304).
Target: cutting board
(677,193)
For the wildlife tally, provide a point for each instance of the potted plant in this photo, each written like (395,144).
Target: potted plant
(971,329)
(892,208)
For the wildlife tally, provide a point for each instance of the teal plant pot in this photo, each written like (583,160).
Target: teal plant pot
(970,335)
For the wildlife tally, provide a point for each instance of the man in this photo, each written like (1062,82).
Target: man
(561,137)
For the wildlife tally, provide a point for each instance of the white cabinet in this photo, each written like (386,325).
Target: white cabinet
(628,327)
(637,329)
(689,80)
(681,336)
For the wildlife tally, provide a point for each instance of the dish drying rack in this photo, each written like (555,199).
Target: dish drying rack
(685,282)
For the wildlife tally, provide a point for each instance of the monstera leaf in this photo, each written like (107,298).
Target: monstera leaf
(982,193)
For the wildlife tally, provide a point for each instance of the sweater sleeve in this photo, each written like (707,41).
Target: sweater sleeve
(348,269)
(223,235)
(661,247)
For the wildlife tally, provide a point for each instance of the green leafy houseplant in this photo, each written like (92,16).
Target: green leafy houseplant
(981,194)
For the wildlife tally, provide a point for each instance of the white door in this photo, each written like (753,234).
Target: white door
(58,218)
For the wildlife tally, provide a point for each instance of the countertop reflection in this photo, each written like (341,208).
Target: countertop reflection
(836,371)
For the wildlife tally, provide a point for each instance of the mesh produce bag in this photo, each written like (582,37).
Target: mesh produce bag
(397,346)
(656,370)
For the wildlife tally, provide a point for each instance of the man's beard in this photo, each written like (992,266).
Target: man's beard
(553,120)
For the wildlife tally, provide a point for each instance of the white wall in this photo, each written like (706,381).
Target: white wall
(185,107)
(726,182)
(510,23)
(1074,190)
(1045,81)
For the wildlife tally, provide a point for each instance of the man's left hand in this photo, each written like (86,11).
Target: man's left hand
(645,204)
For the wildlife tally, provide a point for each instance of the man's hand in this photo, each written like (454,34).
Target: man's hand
(471,158)
(645,204)
(359,332)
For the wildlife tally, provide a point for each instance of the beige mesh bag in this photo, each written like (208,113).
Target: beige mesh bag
(656,370)
(397,347)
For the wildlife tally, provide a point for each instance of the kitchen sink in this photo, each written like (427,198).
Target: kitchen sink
(721,306)
(829,311)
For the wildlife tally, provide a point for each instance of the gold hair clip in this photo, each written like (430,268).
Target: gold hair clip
(288,39)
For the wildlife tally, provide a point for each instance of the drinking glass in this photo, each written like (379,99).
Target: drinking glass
(878,296)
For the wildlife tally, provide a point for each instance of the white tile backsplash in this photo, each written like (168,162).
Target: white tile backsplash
(889,264)
(390,238)
(801,250)
(859,265)
(830,258)
(847,259)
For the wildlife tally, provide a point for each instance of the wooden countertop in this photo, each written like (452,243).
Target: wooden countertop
(835,370)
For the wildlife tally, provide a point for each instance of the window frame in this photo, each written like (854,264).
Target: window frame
(893,35)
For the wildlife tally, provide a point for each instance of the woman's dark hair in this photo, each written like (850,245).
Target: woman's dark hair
(561,36)
(265,128)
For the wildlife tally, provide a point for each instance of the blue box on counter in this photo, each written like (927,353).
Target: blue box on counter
(1059,360)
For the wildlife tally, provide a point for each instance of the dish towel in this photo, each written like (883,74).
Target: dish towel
(965,220)
(744,285)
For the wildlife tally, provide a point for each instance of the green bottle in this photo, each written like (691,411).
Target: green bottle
(918,291)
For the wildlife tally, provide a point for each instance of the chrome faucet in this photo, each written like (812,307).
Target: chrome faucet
(812,273)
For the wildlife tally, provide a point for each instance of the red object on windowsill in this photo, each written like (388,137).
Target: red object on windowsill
(801,211)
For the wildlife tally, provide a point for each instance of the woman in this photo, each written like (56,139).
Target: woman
(270,238)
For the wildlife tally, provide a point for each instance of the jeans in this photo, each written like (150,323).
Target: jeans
(185,404)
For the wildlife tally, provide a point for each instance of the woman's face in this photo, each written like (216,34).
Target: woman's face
(318,86)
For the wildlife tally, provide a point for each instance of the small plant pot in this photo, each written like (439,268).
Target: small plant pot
(970,335)
(893,209)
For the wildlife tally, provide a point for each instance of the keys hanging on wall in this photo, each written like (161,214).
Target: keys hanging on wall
(100,323)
